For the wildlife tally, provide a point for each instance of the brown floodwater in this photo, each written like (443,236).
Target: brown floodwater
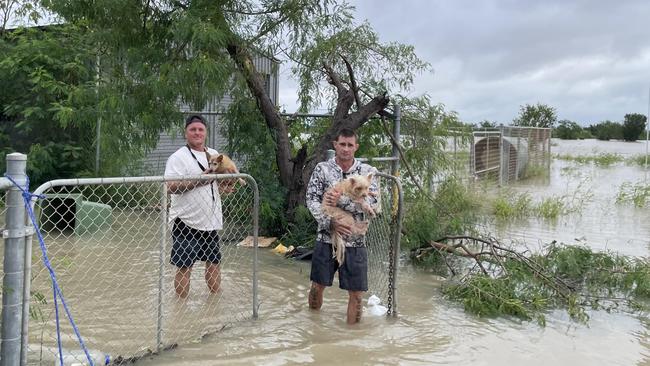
(432,330)
(428,329)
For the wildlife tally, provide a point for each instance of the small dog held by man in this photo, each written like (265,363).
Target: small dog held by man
(222,164)
(356,188)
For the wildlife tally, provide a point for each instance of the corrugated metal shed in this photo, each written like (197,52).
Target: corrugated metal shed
(170,141)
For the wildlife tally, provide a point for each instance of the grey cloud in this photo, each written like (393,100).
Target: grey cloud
(588,59)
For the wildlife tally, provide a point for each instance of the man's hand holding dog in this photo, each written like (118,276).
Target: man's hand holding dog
(331,197)
(225,185)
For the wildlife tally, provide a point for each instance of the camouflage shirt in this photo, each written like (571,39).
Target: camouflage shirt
(325,175)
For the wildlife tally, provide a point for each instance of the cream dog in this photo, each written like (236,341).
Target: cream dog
(357,189)
(222,164)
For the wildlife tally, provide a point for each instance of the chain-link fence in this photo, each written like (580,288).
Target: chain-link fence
(110,243)
(383,242)
(511,153)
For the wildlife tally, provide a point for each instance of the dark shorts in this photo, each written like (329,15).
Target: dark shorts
(353,274)
(191,245)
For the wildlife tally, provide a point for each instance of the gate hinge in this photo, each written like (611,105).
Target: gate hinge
(17,233)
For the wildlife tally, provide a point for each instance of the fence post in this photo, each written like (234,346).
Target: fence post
(394,169)
(256,225)
(397,203)
(502,158)
(161,264)
(14,263)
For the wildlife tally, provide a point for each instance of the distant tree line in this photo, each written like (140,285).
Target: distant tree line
(540,115)
(632,129)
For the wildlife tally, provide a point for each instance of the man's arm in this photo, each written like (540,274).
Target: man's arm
(314,198)
(180,186)
(175,167)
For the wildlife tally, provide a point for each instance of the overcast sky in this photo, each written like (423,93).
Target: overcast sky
(588,59)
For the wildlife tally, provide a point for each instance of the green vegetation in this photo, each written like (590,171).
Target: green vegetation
(551,208)
(536,171)
(633,126)
(573,278)
(601,159)
(539,115)
(637,193)
(453,210)
(569,130)
(302,232)
(638,160)
(607,130)
(511,205)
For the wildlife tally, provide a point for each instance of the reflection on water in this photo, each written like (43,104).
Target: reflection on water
(601,223)
(429,330)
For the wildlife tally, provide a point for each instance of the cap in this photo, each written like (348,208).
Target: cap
(195,118)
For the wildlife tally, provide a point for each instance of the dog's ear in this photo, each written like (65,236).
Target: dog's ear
(370,175)
(353,181)
(219,158)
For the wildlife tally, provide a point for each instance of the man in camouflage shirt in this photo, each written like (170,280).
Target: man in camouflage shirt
(353,273)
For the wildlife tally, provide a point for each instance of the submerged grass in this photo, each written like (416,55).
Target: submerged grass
(511,205)
(551,208)
(639,160)
(637,193)
(601,159)
(536,171)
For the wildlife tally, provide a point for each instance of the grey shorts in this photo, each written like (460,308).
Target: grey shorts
(353,274)
(191,245)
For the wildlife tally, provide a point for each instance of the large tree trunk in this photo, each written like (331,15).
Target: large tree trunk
(295,171)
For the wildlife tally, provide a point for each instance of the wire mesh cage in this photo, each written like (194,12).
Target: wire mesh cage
(511,153)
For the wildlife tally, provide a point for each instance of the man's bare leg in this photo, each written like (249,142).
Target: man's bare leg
(316,296)
(212,276)
(355,307)
(182,281)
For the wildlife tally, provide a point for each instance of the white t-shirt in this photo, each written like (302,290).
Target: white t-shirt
(199,208)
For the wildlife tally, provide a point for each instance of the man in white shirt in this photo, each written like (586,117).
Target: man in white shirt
(195,210)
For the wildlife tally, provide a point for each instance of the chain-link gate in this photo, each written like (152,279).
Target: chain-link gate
(109,241)
(383,240)
(511,153)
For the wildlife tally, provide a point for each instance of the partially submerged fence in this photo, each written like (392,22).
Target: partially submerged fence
(383,242)
(510,153)
(108,240)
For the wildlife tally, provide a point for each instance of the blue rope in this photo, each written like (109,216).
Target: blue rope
(27,197)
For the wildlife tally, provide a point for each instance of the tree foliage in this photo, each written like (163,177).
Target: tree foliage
(43,72)
(137,60)
(494,280)
(607,130)
(538,115)
(633,126)
(569,130)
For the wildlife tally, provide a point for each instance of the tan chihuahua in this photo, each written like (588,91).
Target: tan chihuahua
(222,164)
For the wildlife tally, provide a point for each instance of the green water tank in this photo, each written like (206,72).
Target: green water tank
(70,212)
